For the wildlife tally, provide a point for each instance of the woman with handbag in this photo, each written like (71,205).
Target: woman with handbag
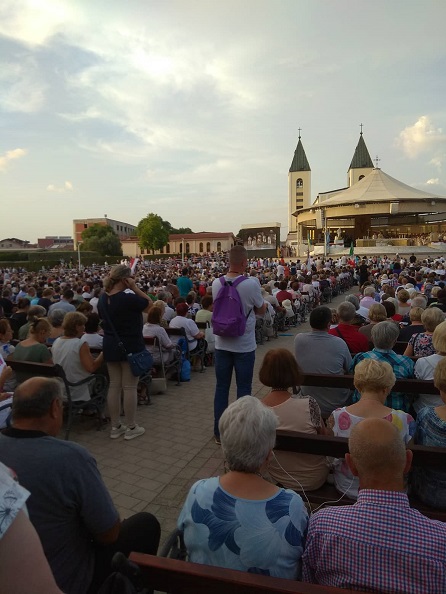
(121,310)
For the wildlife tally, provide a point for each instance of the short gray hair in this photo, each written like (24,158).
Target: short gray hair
(56,317)
(248,434)
(419,301)
(37,404)
(346,311)
(353,299)
(369,291)
(385,334)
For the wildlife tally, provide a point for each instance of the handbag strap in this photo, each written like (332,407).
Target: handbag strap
(110,323)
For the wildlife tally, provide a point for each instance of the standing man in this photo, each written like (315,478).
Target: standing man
(184,283)
(236,352)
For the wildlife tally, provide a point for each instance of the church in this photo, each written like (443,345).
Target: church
(374,210)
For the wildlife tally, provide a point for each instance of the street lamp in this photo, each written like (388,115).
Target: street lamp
(79,243)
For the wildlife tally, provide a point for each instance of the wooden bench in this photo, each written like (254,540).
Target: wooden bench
(181,577)
(337,447)
(98,396)
(324,380)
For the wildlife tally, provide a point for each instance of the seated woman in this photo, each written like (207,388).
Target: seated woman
(296,412)
(153,329)
(162,306)
(193,333)
(33,349)
(374,381)
(240,520)
(425,368)
(92,336)
(403,299)
(18,318)
(420,345)
(430,484)
(34,313)
(377,313)
(56,319)
(74,356)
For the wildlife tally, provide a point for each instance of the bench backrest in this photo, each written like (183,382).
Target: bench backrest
(181,577)
(346,381)
(337,447)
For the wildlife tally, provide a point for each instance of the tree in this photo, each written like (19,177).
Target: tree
(101,239)
(153,232)
(181,231)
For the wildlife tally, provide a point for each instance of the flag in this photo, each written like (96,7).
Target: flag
(351,249)
(133,263)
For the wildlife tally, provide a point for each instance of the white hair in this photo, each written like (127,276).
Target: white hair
(248,434)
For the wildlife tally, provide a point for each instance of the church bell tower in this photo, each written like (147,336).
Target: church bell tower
(299,185)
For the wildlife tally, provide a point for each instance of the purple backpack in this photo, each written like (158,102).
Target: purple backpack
(228,315)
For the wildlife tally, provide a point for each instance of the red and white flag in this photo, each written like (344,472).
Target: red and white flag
(133,263)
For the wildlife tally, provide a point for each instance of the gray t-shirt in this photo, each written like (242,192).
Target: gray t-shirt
(250,296)
(69,502)
(320,352)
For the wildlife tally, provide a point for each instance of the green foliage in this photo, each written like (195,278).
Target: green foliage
(101,239)
(181,231)
(153,232)
(9,256)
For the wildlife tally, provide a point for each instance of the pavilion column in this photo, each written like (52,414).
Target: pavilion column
(362,226)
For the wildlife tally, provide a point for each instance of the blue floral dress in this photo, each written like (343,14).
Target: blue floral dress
(259,536)
(422,344)
(430,484)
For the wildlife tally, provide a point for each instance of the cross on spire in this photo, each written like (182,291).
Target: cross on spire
(361,128)
(377,160)
(300,130)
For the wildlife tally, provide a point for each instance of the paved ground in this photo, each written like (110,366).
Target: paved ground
(155,471)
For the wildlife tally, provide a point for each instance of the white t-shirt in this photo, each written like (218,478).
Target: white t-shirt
(250,296)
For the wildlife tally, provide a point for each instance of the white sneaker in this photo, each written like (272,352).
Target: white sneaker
(133,432)
(117,431)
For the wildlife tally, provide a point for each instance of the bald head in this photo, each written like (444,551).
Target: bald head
(377,452)
(33,398)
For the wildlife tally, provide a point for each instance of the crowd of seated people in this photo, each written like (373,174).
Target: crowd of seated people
(375,365)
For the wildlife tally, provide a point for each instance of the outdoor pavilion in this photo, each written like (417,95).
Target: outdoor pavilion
(376,211)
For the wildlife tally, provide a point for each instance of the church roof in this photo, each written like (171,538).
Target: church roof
(361,158)
(377,186)
(300,161)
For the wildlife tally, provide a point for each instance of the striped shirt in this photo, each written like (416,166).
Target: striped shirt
(379,544)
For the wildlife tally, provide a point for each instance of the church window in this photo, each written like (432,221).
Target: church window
(208,246)
(361,177)
(218,246)
(168,248)
(201,247)
(299,183)
(187,248)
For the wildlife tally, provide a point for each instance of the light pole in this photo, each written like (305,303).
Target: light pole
(182,251)
(79,243)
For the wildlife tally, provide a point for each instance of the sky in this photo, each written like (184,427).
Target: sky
(191,108)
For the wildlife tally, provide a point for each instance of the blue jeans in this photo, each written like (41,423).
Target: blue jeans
(225,362)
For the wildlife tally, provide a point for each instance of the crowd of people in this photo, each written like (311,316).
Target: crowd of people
(253,517)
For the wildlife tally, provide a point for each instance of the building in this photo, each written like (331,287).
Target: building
(373,210)
(63,242)
(194,243)
(123,230)
(12,243)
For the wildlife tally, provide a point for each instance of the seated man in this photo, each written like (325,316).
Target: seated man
(193,333)
(69,504)
(319,352)
(356,342)
(370,545)
(283,294)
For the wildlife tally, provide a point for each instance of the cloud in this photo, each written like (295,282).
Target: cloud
(422,136)
(21,85)
(67,187)
(9,156)
(433,181)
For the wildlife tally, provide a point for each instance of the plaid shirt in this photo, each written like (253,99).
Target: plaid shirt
(379,544)
(403,367)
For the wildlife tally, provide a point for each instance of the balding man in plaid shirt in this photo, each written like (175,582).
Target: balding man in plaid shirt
(379,544)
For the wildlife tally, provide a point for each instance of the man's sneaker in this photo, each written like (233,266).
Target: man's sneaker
(117,431)
(133,432)
(217,439)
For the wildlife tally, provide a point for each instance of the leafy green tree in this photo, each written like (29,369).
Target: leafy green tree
(101,239)
(181,231)
(153,232)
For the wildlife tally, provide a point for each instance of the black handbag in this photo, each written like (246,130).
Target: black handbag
(140,363)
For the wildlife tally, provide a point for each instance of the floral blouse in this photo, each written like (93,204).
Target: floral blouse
(422,344)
